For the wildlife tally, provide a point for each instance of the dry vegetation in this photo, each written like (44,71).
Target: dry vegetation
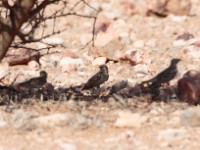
(136,40)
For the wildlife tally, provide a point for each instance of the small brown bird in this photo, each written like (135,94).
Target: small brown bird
(97,79)
(36,82)
(165,76)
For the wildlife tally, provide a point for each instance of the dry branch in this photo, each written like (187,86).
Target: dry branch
(30,14)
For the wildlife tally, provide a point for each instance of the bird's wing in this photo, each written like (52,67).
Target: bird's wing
(163,73)
(94,78)
(31,82)
(25,83)
(158,76)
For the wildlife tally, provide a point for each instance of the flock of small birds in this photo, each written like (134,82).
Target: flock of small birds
(164,77)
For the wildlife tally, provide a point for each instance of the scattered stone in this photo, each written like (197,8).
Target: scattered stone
(45,61)
(85,38)
(70,53)
(3,122)
(51,60)
(185,36)
(33,64)
(157,8)
(128,119)
(112,139)
(141,70)
(171,134)
(166,7)
(129,7)
(53,120)
(4,69)
(178,19)
(151,43)
(112,50)
(69,64)
(20,119)
(53,40)
(99,61)
(132,56)
(190,117)
(138,44)
(127,134)
(103,38)
(21,56)
(178,43)
(192,51)
(165,144)
(68,146)
(102,27)
(179,7)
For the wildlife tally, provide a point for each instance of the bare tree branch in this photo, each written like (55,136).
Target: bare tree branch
(30,14)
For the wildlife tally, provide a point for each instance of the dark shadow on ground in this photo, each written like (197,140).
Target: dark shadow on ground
(120,90)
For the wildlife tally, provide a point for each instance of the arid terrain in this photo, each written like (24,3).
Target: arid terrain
(136,45)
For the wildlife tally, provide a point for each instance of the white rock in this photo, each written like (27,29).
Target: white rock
(54,40)
(112,139)
(128,119)
(103,38)
(192,51)
(68,60)
(44,61)
(84,38)
(151,43)
(133,56)
(3,123)
(177,18)
(70,64)
(165,144)
(40,45)
(19,118)
(4,69)
(138,44)
(127,133)
(170,134)
(190,117)
(141,70)
(193,41)
(99,61)
(51,120)
(179,43)
(33,64)
(2,148)
(111,14)
(68,146)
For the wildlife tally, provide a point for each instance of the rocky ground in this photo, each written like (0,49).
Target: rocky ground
(135,45)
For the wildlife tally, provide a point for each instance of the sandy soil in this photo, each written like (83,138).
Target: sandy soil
(119,123)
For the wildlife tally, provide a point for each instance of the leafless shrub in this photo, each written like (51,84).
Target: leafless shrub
(20,19)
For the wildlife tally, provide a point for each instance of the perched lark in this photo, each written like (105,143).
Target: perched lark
(36,82)
(97,79)
(165,76)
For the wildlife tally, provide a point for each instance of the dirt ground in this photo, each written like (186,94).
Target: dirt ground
(119,122)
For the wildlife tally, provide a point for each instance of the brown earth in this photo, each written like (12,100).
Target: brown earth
(150,42)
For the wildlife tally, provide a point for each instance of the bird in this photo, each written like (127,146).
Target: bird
(36,82)
(164,76)
(97,79)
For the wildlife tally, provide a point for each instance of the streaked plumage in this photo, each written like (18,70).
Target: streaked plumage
(97,79)
(36,82)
